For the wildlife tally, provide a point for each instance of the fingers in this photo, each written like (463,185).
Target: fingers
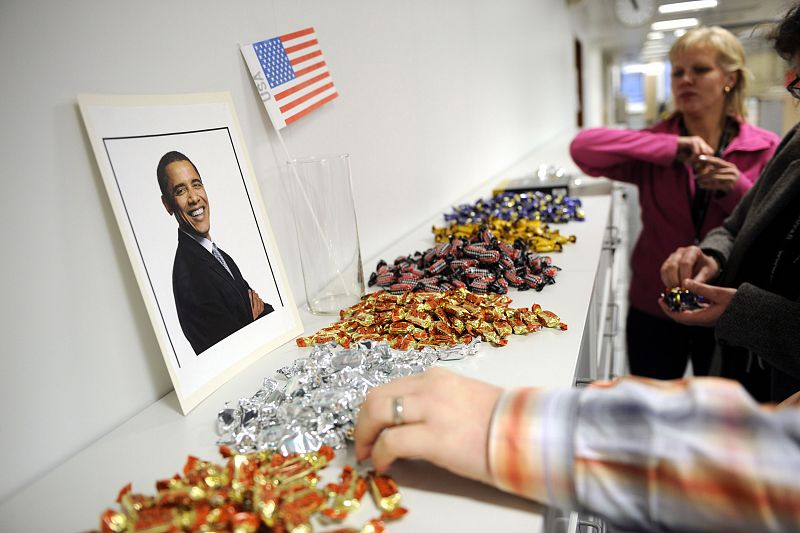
(254,296)
(377,416)
(707,271)
(691,148)
(791,401)
(711,293)
(377,412)
(256,303)
(669,269)
(715,163)
(716,174)
(699,146)
(723,180)
(403,442)
(681,264)
(446,421)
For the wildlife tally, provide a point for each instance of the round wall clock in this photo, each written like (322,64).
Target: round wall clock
(634,13)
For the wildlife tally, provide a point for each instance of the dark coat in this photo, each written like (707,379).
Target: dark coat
(211,304)
(762,322)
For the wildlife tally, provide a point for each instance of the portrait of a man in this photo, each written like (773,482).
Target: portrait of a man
(192,218)
(212,297)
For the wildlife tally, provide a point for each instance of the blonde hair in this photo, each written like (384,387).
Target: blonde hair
(730,56)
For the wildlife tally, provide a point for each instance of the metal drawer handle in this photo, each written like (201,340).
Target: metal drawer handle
(614,320)
(592,525)
(613,239)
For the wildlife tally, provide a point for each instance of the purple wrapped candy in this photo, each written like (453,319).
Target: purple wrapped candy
(534,205)
(679,299)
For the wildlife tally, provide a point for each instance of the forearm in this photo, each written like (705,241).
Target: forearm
(653,455)
(718,244)
(531,444)
(616,153)
(719,241)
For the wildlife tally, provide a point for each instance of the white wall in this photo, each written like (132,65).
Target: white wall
(592,87)
(436,97)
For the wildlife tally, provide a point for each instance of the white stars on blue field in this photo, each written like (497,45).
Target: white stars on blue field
(274,61)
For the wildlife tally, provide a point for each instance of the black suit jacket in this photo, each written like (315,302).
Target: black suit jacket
(211,304)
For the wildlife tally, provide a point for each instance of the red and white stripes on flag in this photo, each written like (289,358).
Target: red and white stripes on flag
(291,75)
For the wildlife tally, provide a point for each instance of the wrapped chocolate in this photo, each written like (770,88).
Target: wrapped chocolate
(345,497)
(483,264)
(680,299)
(418,319)
(386,496)
(534,205)
(250,493)
(537,235)
(314,401)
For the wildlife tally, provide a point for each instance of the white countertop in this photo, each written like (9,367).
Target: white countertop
(155,443)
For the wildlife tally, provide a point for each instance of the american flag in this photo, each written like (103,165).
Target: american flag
(291,75)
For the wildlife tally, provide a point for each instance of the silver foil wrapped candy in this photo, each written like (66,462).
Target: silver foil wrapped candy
(315,400)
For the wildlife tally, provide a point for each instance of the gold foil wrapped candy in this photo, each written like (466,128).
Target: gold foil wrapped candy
(415,319)
(250,493)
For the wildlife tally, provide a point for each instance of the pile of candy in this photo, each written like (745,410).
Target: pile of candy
(680,299)
(250,493)
(415,319)
(534,233)
(534,205)
(315,401)
(484,265)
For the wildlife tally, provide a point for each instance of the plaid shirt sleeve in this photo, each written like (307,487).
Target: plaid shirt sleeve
(694,454)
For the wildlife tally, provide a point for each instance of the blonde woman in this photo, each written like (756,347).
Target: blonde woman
(691,171)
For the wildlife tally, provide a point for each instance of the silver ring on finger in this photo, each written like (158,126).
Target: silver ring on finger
(397,411)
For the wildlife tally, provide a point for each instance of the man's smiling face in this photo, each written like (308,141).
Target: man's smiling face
(186,198)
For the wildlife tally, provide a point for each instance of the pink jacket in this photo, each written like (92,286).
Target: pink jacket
(646,158)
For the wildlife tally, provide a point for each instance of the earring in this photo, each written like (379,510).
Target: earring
(727,89)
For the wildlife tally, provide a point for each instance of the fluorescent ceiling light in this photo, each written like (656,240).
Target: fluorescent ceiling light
(679,33)
(674,24)
(655,35)
(687,6)
(653,68)
(655,44)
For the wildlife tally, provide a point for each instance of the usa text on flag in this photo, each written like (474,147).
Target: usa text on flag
(291,75)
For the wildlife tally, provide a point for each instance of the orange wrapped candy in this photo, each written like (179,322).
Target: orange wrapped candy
(250,493)
(415,319)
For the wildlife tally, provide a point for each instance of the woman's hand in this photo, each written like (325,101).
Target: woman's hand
(717,300)
(445,421)
(691,148)
(688,262)
(715,174)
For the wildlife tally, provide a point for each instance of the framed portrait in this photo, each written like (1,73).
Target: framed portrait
(188,206)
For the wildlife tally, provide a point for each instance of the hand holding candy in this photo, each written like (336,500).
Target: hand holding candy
(715,174)
(680,299)
(690,148)
(716,300)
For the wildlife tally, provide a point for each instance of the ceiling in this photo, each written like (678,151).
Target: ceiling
(599,26)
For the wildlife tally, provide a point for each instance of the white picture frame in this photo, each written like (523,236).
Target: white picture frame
(129,136)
